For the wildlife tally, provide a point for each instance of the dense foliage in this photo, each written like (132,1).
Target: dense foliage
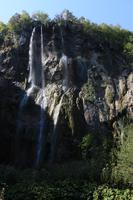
(31,184)
(110,39)
(123,170)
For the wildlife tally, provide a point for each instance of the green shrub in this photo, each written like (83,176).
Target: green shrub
(86,144)
(88,92)
(123,171)
(67,190)
(3,32)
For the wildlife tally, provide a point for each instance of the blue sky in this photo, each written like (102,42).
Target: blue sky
(98,11)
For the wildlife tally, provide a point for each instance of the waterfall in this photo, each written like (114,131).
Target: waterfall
(55,131)
(34,62)
(57,111)
(30,65)
(64,63)
(31,56)
(43,104)
(62,39)
(29,91)
(36,90)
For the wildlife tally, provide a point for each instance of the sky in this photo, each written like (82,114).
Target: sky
(115,12)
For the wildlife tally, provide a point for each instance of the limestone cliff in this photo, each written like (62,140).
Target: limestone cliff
(87,91)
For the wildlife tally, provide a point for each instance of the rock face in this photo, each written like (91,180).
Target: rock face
(82,95)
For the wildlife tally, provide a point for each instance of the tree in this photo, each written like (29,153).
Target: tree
(13,23)
(66,15)
(41,17)
(25,19)
(128,49)
(19,22)
(3,31)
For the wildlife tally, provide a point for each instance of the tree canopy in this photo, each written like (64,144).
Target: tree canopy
(41,17)
(112,37)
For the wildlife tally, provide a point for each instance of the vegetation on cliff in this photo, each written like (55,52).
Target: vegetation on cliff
(111,39)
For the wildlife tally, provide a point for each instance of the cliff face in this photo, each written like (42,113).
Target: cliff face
(88,89)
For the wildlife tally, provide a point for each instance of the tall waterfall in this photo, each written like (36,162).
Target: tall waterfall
(31,79)
(34,62)
(31,56)
(37,91)
(43,104)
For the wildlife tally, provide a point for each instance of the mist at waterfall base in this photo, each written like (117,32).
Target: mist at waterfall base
(36,90)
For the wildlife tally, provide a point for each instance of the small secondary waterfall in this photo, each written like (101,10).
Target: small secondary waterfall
(62,39)
(43,105)
(57,111)
(55,131)
(64,62)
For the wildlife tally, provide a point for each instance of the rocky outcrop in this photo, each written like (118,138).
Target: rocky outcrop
(91,102)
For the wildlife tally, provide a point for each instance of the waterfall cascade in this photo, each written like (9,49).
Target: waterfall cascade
(31,78)
(57,111)
(37,85)
(55,131)
(35,62)
(64,62)
(43,105)
(37,91)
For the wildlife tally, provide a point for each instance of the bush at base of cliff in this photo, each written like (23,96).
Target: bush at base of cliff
(67,190)
(36,185)
(123,171)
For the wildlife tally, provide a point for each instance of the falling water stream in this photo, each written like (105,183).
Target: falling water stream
(55,131)
(31,78)
(37,80)
(64,63)
(43,105)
